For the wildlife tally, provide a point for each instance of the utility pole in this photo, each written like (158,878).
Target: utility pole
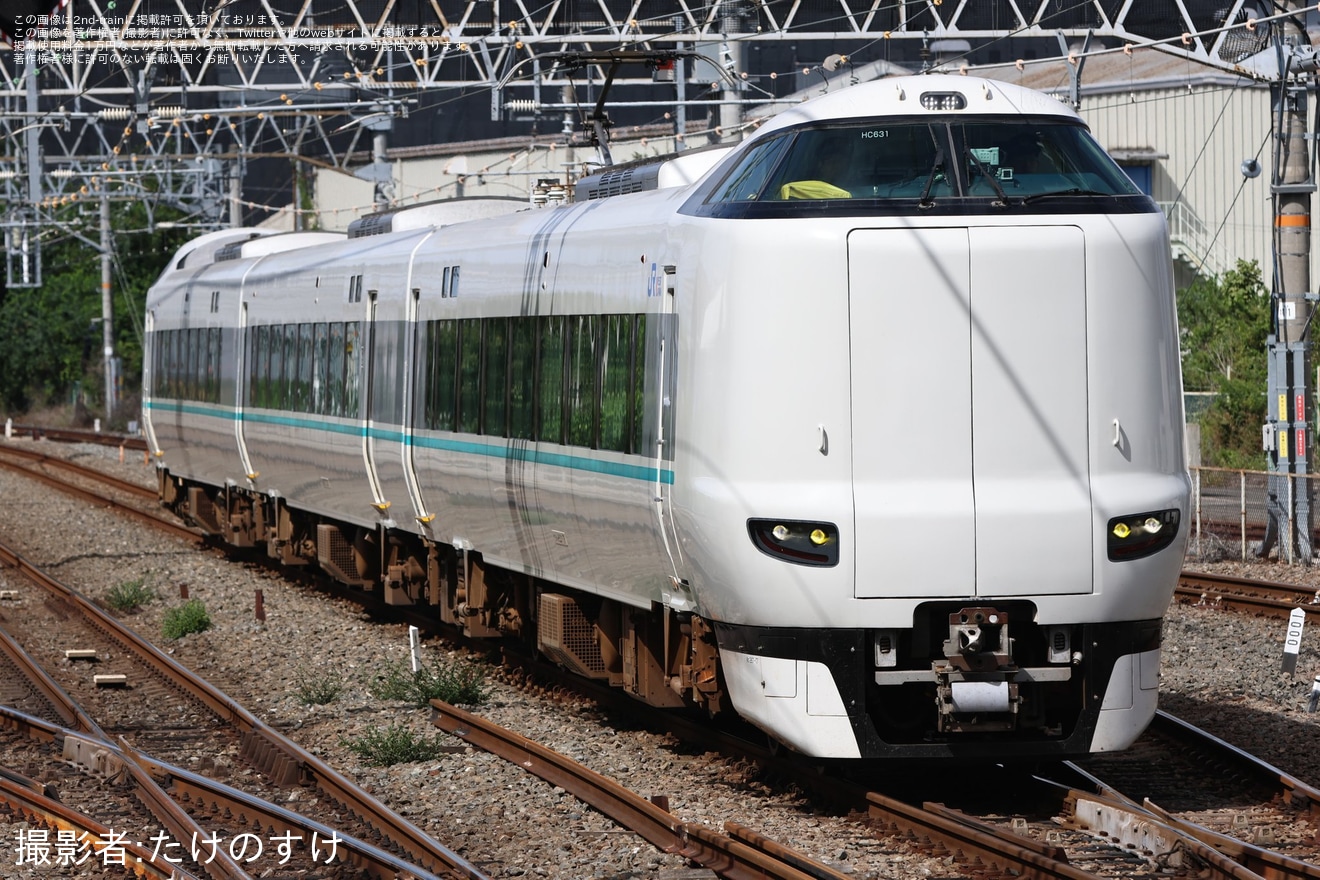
(107,330)
(1287,437)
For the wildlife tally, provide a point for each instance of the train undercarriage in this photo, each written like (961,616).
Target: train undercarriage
(662,657)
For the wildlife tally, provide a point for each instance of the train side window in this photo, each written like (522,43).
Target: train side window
(550,381)
(453,282)
(320,370)
(443,346)
(352,372)
(522,377)
(638,392)
(583,381)
(615,384)
(253,361)
(495,386)
(194,356)
(303,389)
(444,284)
(469,378)
(283,361)
(213,366)
(179,359)
(745,182)
(335,371)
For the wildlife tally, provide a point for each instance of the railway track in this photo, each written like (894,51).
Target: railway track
(159,702)
(1084,822)
(1269,598)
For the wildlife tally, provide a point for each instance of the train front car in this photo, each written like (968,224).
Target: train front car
(935,499)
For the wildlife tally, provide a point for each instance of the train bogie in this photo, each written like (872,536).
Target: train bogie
(890,463)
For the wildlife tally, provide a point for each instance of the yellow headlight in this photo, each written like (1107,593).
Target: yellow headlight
(1121,530)
(818,537)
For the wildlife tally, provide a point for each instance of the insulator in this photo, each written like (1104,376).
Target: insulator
(115,114)
(168,112)
(522,105)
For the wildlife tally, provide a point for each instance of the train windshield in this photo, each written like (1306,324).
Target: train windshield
(1010,161)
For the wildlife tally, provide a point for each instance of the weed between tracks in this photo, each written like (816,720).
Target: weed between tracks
(459,683)
(190,617)
(386,746)
(130,595)
(318,688)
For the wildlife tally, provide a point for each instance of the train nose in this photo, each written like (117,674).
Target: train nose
(970,410)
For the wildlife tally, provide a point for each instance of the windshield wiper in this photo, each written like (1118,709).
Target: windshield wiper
(926,201)
(1075,191)
(985,172)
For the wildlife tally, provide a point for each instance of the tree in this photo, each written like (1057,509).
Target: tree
(1224,323)
(52,341)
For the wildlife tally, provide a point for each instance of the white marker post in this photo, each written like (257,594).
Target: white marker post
(1292,642)
(415,643)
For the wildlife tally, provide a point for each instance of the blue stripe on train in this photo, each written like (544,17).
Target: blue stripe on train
(467,447)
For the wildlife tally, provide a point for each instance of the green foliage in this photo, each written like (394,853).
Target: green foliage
(1224,322)
(190,617)
(130,595)
(318,688)
(386,746)
(51,344)
(458,683)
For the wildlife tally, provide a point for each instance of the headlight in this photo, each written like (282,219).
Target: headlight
(1141,534)
(796,541)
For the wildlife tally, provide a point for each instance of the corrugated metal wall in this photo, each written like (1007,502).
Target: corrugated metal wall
(1216,214)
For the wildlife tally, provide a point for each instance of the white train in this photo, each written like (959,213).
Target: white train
(869,427)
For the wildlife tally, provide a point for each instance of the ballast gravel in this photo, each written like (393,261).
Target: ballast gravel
(1221,671)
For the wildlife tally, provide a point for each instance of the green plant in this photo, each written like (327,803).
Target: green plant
(318,688)
(190,617)
(396,744)
(462,683)
(130,595)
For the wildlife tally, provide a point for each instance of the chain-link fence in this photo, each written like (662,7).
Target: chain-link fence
(1231,515)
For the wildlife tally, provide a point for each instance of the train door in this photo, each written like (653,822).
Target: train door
(1030,410)
(368,371)
(151,378)
(662,346)
(413,355)
(970,424)
(909,295)
(242,388)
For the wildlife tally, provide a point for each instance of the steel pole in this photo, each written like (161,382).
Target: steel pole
(107,329)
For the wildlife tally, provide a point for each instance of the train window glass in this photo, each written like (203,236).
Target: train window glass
(194,356)
(444,359)
(335,370)
(582,380)
(615,385)
(180,370)
(303,385)
(444,284)
(1029,158)
(352,372)
(638,384)
(550,381)
(281,382)
(453,282)
(522,377)
(469,376)
(496,356)
(213,365)
(868,161)
(745,182)
(320,370)
(253,361)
